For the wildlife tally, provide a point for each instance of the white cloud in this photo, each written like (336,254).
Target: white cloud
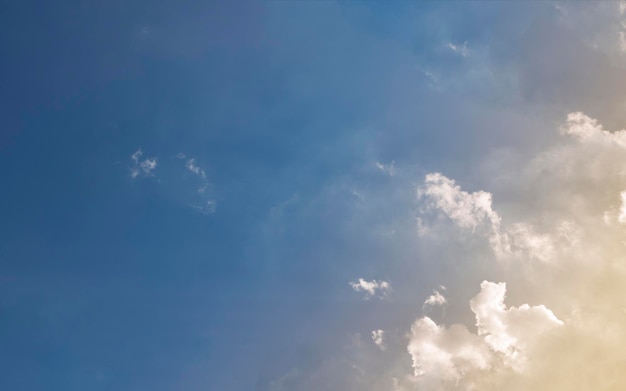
(148,165)
(135,156)
(442,354)
(444,357)
(474,212)
(511,331)
(194,191)
(371,288)
(191,166)
(378,338)
(436,299)
(139,166)
(461,50)
(587,129)
(388,169)
(562,208)
(468,210)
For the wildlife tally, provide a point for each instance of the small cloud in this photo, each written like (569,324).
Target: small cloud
(429,75)
(371,287)
(134,173)
(148,165)
(191,166)
(388,169)
(135,156)
(436,299)
(461,50)
(180,155)
(378,338)
(145,166)
(206,208)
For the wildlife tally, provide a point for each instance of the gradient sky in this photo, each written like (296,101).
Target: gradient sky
(279,196)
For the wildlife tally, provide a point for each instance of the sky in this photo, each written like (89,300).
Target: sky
(312,195)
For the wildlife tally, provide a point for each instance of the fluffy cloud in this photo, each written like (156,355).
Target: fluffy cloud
(371,288)
(436,299)
(551,230)
(444,357)
(565,207)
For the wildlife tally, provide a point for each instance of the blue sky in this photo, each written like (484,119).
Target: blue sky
(189,187)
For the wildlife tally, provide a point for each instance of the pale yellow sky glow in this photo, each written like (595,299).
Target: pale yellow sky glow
(567,259)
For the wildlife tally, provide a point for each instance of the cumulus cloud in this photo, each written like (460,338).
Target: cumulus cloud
(563,210)
(474,212)
(468,210)
(371,288)
(446,357)
(556,320)
(551,232)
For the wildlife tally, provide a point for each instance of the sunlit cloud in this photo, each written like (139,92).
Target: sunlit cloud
(371,288)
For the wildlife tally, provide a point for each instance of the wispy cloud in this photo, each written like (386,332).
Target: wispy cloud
(389,168)
(194,191)
(193,167)
(461,50)
(139,166)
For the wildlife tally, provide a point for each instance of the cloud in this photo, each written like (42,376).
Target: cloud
(468,210)
(550,233)
(562,207)
(191,166)
(388,169)
(546,223)
(194,191)
(474,212)
(206,204)
(145,167)
(371,288)
(148,165)
(378,338)
(206,208)
(447,357)
(436,299)
(461,50)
